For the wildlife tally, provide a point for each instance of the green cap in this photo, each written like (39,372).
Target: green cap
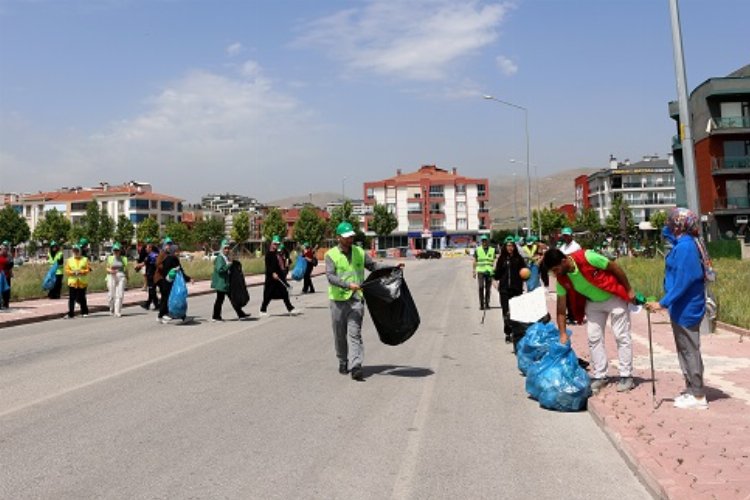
(6,243)
(345,230)
(83,242)
(76,247)
(567,230)
(168,240)
(306,244)
(484,237)
(53,243)
(116,246)
(532,239)
(276,239)
(509,239)
(225,244)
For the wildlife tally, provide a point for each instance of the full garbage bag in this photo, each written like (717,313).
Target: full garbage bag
(391,305)
(49,279)
(178,297)
(238,293)
(557,381)
(534,344)
(4,287)
(299,268)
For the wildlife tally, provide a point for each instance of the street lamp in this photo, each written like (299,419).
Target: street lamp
(343,189)
(528,172)
(538,197)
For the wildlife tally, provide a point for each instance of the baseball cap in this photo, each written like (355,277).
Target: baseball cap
(276,239)
(509,239)
(345,230)
(116,246)
(567,230)
(484,237)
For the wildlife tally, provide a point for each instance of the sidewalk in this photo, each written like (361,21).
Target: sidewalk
(679,454)
(31,311)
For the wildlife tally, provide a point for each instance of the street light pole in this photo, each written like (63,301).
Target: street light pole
(528,172)
(343,189)
(515,203)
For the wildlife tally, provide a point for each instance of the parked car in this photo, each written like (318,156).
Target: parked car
(429,254)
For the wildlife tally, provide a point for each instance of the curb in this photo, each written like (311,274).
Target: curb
(742,332)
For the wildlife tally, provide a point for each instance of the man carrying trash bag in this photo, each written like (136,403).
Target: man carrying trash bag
(345,271)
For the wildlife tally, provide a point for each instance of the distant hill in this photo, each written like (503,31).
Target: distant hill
(317,199)
(557,188)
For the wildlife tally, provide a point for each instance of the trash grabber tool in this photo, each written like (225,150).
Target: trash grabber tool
(484,313)
(651,356)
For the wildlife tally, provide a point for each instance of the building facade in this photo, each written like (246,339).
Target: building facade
(135,200)
(720,111)
(647,186)
(435,208)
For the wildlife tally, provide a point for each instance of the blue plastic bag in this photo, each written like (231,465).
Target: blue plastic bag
(534,345)
(299,268)
(4,287)
(557,381)
(49,279)
(178,297)
(533,281)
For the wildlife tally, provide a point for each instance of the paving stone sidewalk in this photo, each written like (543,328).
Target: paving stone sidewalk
(679,454)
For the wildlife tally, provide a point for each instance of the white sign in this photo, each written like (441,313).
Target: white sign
(427,234)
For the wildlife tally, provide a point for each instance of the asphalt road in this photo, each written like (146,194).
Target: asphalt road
(128,408)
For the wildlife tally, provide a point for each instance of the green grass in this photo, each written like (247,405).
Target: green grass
(27,279)
(732,286)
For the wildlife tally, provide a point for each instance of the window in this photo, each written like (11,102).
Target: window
(104,206)
(436,208)
(138,218)
(461,224)
(436,191)
(370,193)
(481,190)
(414,208)
(391,208)
(154,204)
(167,206)
(461,206)
(139,204)
(460,188)
(78,206)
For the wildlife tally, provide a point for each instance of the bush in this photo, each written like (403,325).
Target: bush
(724,249)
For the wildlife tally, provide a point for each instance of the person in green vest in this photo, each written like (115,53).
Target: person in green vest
(117,269)
(482,269)
(220,283)
(55,256)
(345,270)
(77,270)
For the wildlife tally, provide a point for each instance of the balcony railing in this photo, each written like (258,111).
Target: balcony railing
(732,203)
(729,162)
(733,122)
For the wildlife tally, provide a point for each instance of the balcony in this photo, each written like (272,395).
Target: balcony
(727,122)
(730,164)
(676,142)
(732,203)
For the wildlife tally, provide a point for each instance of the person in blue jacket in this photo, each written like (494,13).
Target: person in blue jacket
(686,269)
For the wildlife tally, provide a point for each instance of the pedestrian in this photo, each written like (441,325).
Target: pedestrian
(312,261)
(149,266)
(569,244)
(607,291)
(482,266)
(686,270)
(55,256)
(167,264)
(528,251)
(6,267)
(77,270)
(509,281)
(143,251)
(345,270)
(117,272)
(275,286)
(83,244)
(575,304)
(220,283)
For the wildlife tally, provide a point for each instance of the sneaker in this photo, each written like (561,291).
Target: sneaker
(165,319)
(84,315)
(263,314)
(245,317)
(690,402)
(217,320)
(67,317)
(625,384)
(343,370)
(295,312)
(118,315)
(598,384)
(145,306)
(358,374)
(682,396)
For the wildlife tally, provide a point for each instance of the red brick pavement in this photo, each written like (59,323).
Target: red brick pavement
(679,454)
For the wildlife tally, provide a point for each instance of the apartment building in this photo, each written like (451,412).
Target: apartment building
(435,208)
(720,111)
(647,186)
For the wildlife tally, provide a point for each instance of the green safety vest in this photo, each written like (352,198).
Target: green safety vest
(485,260)
(51,260)
(350,272)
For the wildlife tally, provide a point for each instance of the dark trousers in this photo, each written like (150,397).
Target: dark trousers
(54,293)
(308,287)
(505,296)
(164,287)
(152,298)
(219,303)
(5,297)
(267,299)
(485,287)
(77,295)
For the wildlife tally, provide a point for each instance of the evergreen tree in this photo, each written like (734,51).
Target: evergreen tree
(274,224)
(148,228)
(106,227)
(13,227)
(208,231)
(241,228)
(383,222)
(125,231)
(310,227)
(619,222)
(53,227)
(179,233)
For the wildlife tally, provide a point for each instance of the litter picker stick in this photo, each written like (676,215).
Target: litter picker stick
(651,356)
(484,313)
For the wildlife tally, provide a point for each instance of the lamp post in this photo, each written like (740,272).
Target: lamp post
(538,198)
(343,190)
(515,203)
(528,172)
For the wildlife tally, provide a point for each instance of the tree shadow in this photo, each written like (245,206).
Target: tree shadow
(397,371)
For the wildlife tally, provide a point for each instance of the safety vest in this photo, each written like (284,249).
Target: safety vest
(485,260)
(52,260)
(600,278)
(349,272)
(81,264)
(111,259)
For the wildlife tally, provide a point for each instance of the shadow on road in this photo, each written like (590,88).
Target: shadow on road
(397,371)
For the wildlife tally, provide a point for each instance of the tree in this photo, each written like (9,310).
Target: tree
(13,227)
(383,222)
(77,231)
(344,212)
(552,220)
(90,225)
(209,231)
(53,227)
(179,233)
(125,230)
(241,228)
(620,219)
(106,227)
(148,229)
(274,224)
(658,219)
(588,220)
(310,227)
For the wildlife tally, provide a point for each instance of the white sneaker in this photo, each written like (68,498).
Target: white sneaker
(84,315)
(690,402)
(263,314)
(165,320)
(118,315)
(295,312)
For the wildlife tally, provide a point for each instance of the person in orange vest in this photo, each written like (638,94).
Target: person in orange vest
(77,270)
(608,292)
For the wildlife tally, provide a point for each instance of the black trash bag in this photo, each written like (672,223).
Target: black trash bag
(391,305)
(238,294)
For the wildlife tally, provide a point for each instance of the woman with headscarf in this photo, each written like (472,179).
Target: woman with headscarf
(221,283)
(117,268)
(509,282)
(167,264)
(55,256)
(276,286)
(687,268)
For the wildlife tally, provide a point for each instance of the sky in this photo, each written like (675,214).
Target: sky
(277,98)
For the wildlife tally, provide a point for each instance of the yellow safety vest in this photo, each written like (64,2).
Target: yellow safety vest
(51,260)
(82,265)
(350,272)
(485,260)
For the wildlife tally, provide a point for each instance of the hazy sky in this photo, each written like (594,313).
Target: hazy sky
(274,98)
